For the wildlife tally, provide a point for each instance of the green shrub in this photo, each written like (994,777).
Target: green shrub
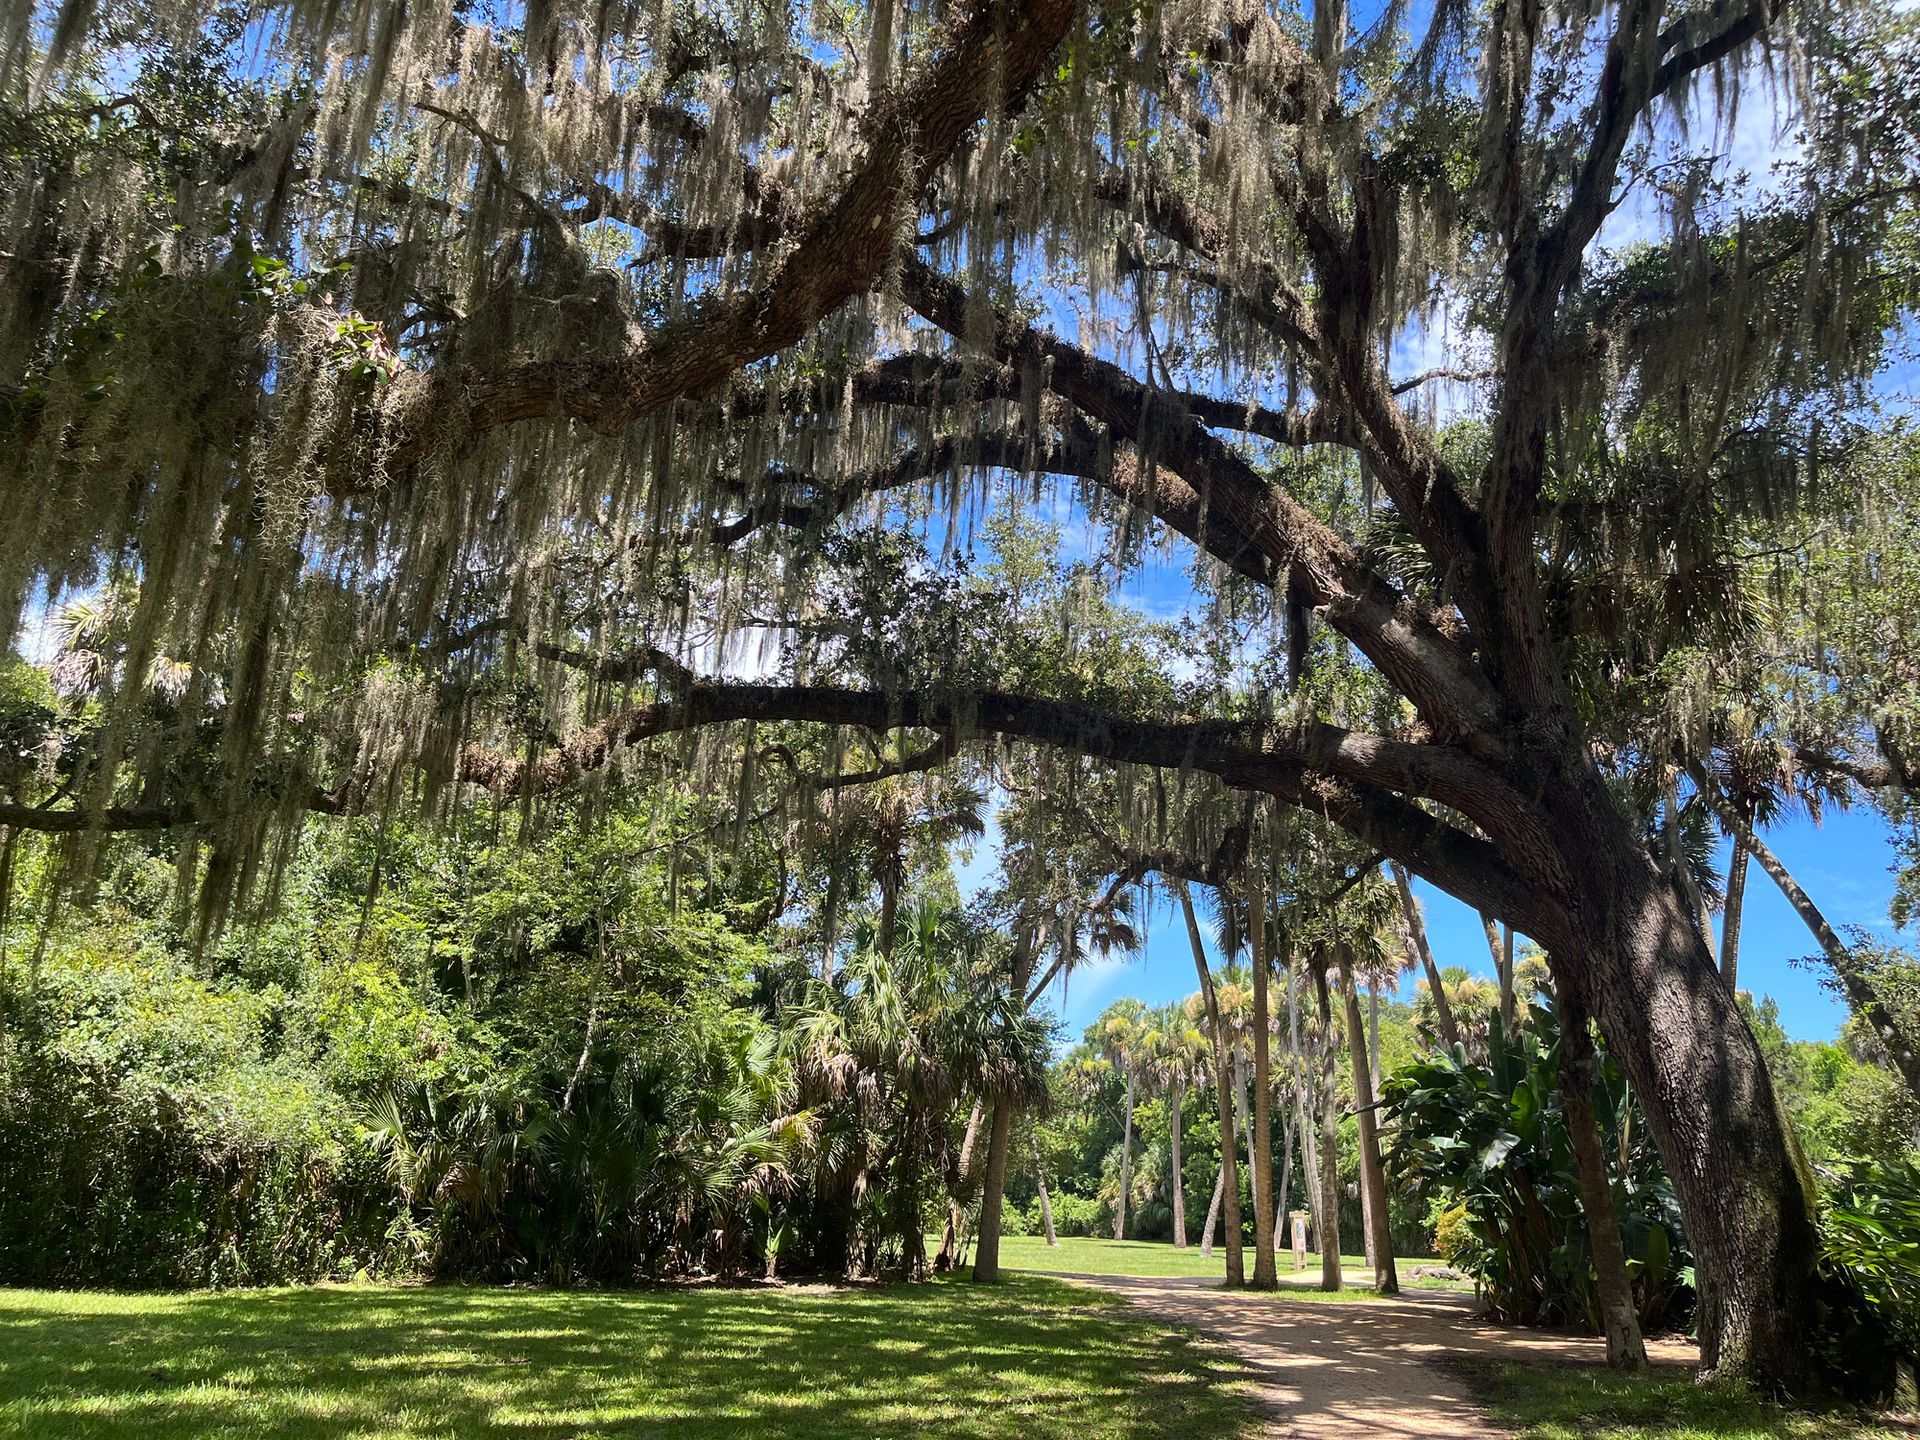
(1078,1215)
(155,1131)
(1870,1254)
(1488,1143)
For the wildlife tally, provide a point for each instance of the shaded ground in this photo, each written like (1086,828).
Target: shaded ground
(1035,1359)
(1383,1368)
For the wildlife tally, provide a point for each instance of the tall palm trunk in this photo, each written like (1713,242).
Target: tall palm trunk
(1280,1240)
(1126,1165)
(1502,952)
(1241,1108)
(1265,1272)
(1368,1196)
(1328,1228)
(1373,1030)
(1179,1180)
(956,1199)
(1046,1203)
(1211,1228)
(1228,1186)
(1863,998)
(1373,1174)
(986,1250)
(1417,928)
(1303,1107)
(1618,1318)
(1736,908)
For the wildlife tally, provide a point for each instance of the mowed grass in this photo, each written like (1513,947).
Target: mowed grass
(1581,1402)
(1085,1255)
(1032,1358)
(1081,1255)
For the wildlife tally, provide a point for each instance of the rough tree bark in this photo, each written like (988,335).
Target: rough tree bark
(1619,1319)
(1126,1163)
(1633,955)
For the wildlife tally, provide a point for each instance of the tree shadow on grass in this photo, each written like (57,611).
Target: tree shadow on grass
(1032,1359)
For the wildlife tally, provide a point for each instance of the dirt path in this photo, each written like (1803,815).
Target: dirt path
(1344,1371)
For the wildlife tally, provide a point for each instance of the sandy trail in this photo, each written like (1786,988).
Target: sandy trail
(1343,1371)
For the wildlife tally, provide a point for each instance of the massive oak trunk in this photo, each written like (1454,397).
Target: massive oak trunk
(1633,953)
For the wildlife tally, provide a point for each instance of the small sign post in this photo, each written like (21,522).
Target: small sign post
(1299,1238)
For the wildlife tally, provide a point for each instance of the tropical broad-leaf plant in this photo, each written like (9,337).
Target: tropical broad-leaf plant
(1870,1247)
(1489,1141)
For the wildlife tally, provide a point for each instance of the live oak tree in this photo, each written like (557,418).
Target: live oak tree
(472,398)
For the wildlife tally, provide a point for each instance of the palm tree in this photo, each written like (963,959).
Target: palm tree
(1121,1032)
(1361,935)
(880,832)
(1178,1058)
(1415,923)
(1054,911)
(1233,1006)
(901,1038)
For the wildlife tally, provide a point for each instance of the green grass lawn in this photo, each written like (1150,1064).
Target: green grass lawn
(1581,1402)
(1080,1255)
(1085,1255)
(1033,1358)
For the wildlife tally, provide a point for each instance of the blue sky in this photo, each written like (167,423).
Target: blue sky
(1844,863)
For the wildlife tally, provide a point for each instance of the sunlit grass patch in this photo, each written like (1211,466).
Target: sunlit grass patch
(1032,1358)
(1086,1255)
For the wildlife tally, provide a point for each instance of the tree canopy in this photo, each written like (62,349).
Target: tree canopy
(440,405)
